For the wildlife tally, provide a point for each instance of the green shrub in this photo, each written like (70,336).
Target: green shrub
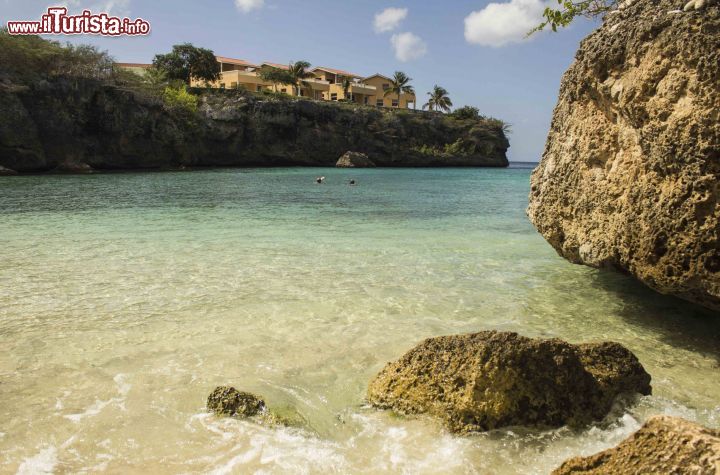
(459,148)
(466,112)
(179,99)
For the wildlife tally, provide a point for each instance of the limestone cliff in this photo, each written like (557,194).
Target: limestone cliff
(629,179)
(46,124)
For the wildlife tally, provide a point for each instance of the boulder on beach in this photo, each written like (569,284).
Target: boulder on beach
(228,401)
(663,445)
(354,160)
(630,176)
(488,380)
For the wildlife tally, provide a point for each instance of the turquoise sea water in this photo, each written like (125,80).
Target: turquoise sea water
(126,298)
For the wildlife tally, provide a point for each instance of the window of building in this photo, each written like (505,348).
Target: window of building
(395,103)
(284,90)
(379,103)
(366,99)
(259,88)
(222,85)
(386,87)
(233,85)
(333,96)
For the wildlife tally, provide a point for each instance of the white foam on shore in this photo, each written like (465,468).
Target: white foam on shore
(123,388)
(43,462)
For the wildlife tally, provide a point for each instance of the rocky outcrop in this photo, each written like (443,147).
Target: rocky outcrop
(630,176)
(7,172)
(663,445)
(72,166)
(228,401)
(108,127)
(354,160)
(488,380)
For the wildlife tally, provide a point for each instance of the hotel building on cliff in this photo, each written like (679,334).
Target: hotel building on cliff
(325,85)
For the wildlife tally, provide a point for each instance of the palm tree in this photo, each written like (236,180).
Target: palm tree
(299,72)
(399,84)
(346,88)
(439,100)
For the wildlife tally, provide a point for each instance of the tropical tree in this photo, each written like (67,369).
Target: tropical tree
(439,100)
(399,84)
(186,62)
(155,78)
(299,73)
(346,88)
(276,76)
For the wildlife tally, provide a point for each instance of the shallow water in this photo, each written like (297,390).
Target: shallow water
(125,299)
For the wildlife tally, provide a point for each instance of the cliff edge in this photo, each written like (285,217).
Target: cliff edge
(107,127)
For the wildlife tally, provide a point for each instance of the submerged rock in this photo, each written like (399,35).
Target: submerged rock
(663,445)
(228,401)
(630,176)
(488,380)
(354,160)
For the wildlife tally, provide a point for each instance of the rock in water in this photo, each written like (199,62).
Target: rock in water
(630,176)
(228,401)
(7,172)
(663,445)
(488,380)
(354,160)
(73,166)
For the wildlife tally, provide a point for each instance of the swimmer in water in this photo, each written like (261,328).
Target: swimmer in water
(352,183)
(320,180)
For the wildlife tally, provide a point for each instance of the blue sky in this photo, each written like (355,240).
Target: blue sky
(482,62)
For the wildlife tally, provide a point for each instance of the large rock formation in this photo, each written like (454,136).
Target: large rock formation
(51,122)
(630,176)
(663,445)
(487,380)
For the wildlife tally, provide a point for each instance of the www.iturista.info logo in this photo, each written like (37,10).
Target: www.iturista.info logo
(57,22)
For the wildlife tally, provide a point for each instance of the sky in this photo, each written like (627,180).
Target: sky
(476,49)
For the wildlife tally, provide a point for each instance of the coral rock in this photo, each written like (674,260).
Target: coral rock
(488,380)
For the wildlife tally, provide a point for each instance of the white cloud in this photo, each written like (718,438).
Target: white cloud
(501,23)
(247,6)
(408,46)
(389,19)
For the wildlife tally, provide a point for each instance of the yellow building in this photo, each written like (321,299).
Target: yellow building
(357,91)
(381,84)
(326,84)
